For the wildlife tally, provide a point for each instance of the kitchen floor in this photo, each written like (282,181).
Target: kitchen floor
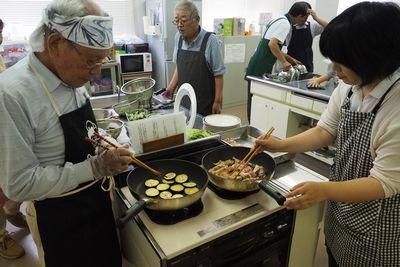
(31,259)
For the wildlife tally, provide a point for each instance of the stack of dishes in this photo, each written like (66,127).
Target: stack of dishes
(220,122)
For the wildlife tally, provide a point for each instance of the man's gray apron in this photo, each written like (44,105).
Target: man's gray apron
(368,233)
(194,69)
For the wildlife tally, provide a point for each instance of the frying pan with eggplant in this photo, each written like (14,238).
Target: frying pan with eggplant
(148,192)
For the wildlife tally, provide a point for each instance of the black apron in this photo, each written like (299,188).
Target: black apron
(300,46)
(78,230)
(366,233)
(194,69)
(261,62)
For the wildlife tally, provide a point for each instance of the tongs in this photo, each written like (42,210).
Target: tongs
(133,158)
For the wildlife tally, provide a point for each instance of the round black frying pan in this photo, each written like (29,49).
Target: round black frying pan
(137,177)
(237,185)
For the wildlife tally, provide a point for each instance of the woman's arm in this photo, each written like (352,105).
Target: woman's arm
(311,139)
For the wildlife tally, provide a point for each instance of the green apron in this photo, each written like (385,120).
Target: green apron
(263,60)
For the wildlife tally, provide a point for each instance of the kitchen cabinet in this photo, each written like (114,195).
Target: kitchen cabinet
(266,113)
(284,107)
(290,107)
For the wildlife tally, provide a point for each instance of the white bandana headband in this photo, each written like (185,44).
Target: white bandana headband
(90,31)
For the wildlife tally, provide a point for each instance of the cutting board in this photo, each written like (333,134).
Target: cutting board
(157,132)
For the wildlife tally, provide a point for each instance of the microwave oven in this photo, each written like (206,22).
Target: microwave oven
(134,63)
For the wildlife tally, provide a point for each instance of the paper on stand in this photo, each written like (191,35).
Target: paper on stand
(154,128)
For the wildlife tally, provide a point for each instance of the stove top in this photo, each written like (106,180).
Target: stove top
(175,216)
(219,216)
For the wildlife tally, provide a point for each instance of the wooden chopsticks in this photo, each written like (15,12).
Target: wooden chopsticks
(253,151)
(134,160)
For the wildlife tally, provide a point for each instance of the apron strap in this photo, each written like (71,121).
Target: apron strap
(204,42)
(376,108)
(180,42)
(53,103)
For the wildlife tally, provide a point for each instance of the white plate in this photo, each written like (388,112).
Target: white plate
(222,120)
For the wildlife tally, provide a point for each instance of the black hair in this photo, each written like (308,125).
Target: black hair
(1,24)
(365,38)
(299,8)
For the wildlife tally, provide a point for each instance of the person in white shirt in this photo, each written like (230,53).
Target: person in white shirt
(269,49)
(300,38)
(363,195)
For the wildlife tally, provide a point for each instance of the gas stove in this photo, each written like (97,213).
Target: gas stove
(245,226)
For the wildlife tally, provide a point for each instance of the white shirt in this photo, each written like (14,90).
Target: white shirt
(385,134)
(31,139)
(279,30)
(315,29)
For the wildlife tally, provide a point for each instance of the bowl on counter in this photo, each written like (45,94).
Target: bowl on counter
(102,113)
(125,106)
(140,89)
(113,127)
(220,122)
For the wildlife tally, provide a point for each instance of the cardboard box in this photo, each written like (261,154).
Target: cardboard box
(239,26)
(219,26)
(228,27)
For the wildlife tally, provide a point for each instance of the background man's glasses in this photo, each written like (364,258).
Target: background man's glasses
(182,21)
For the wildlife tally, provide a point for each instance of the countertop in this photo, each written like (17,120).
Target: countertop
(300,87)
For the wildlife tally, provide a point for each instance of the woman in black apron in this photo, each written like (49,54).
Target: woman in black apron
(363,195)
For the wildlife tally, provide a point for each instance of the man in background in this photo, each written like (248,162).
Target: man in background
(300,38)
(269,49)
(198,60)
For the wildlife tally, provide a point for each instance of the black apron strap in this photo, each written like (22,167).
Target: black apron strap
(180,42)
(204,42)
(376,108)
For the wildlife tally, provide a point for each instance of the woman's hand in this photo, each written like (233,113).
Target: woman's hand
(271,144)
(314,82)
(305,195)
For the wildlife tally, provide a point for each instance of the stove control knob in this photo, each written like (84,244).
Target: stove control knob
(282,227)
(269,234)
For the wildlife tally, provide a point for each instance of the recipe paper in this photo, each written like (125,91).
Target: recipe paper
(154,128)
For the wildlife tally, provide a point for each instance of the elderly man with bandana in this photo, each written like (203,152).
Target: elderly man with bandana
(44,111)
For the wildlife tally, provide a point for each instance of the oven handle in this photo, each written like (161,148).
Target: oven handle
(244,252)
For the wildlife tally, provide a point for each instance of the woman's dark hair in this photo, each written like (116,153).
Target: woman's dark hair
(1,24)
(365,38)
(299,8)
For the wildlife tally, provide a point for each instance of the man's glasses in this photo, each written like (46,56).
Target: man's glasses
(89,63)
(182,21)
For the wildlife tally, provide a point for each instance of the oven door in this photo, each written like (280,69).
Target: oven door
(131,63)
(271,255)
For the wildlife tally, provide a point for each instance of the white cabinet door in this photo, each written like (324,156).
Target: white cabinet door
(266,113)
